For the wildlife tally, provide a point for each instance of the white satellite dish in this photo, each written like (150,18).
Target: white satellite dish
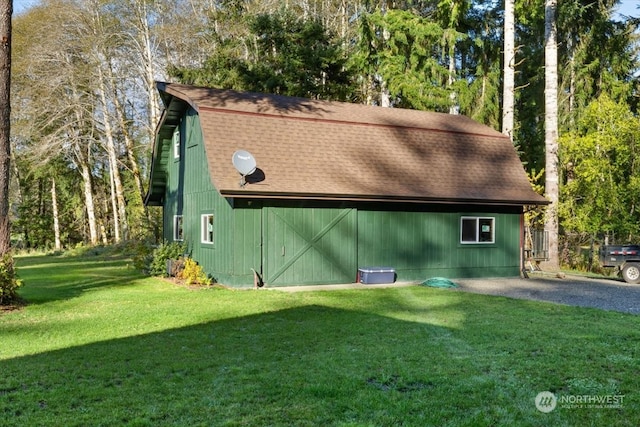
(245,164)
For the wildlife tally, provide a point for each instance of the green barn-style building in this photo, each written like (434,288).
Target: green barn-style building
(337,187)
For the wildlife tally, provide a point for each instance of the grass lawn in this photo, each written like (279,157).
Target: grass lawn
(100,345)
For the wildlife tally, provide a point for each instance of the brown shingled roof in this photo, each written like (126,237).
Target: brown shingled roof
(332,150)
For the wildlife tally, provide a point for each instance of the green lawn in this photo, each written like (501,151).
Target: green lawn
(100,345)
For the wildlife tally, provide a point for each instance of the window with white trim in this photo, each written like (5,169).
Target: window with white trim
(206,227)
(178,230)
(175,141)
(474,229)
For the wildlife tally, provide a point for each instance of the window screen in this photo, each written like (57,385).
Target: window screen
(176,144)
(477,230)
(178,230)
(207,228)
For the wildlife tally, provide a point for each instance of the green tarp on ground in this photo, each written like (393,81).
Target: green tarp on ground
(439,282)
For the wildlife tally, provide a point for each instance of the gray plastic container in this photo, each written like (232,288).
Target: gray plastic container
(376,275)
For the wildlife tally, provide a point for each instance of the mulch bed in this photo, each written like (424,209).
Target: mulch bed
(12,307)
(194,287)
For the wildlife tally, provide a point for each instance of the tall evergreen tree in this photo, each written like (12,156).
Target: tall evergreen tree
(287,56)
(407,52)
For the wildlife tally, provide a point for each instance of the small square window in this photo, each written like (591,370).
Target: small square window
(477,230)
(178,230)
(207,228)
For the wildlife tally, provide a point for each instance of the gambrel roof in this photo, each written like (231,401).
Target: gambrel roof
(320,150)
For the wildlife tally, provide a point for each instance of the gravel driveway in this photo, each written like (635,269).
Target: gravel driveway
(606,294)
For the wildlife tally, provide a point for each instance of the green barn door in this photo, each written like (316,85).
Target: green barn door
(303,246)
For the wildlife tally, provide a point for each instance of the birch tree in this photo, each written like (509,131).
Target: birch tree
(508,91)
(56,216)
(80,134)
(102,53)
(62,105)
(145,46)
(551,131)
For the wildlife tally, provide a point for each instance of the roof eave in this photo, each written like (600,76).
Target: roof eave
(174,108)
(248,194)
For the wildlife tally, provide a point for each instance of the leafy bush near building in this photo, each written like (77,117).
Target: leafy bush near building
(153,260)
(9,282)
(193,274)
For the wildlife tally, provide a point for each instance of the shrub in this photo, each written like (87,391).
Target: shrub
(9,282)
(142,255)
(164,252)
(192,273)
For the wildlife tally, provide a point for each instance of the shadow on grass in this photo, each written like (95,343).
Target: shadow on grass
(310,365)
(301,366)
(455,359)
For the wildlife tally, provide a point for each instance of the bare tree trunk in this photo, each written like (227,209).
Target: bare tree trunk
(19,179)
(102,53)
(85,171)
(6,10)
(56,216)
(483,95)
(128,141)
(572,83)
(114,205)
(508,91)
(119,213)
(103,233)
(453,108)
(133,163)
(344,22)
(148,62)
(551,132)
(385,99)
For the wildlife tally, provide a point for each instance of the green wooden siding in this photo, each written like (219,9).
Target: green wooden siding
(305,245)
(420,245)
(246,243)
(236,247)
(297,242)
(404,240)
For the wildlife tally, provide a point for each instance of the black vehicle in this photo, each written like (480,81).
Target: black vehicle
(625,257)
